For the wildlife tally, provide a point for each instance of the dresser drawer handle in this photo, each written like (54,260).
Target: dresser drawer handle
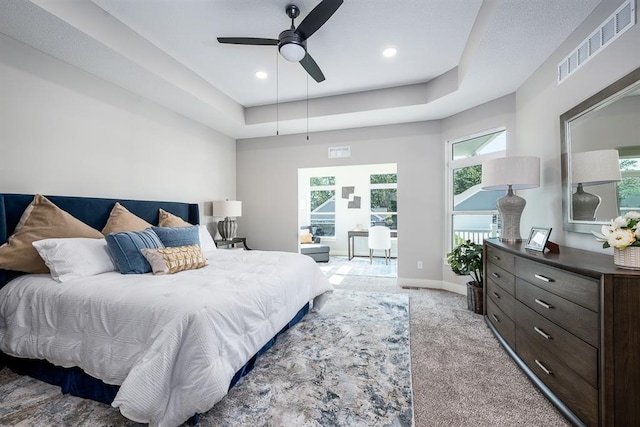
(496,257)
(497,295)
(543,278)
(544,304)
(544,368)
(541,332)
(496,275)
(496,318)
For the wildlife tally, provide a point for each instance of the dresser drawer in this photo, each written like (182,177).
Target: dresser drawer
(570,350)
(501,259)
(581,290)
(505,326)
(502,299)
(576,319)
(574,391)
(501,277)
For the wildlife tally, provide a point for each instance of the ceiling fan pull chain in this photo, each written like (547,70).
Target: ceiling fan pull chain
(277,94)
(307,107)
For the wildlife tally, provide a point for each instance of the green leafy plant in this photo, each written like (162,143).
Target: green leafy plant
(466,259)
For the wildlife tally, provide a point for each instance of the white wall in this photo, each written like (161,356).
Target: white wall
(65,132)
(357,176)
(268,175)
(541,101)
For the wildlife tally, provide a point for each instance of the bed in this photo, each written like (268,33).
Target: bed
(161,348)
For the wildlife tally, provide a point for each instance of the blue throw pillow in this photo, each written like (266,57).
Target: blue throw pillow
(125,249)
(172,237)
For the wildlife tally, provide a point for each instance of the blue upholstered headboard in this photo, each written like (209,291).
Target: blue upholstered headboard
(90,210)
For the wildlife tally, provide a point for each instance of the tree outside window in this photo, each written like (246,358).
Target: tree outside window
(384,200)
(629,187)
(323,205)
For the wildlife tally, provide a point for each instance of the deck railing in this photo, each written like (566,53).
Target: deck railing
(476,236)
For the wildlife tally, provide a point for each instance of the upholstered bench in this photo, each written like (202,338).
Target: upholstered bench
(317,251)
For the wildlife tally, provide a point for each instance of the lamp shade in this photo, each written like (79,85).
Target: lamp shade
(227,208)
(519,172)
(595,167)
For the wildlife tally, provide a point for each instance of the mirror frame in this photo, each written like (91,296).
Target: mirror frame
(600,98)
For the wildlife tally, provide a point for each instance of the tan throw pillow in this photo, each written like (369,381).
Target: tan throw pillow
(120,219)
(40,220)
(173,260)
(167,219)
(306,238)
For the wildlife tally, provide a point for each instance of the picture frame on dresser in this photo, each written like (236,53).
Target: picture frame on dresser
(538,237)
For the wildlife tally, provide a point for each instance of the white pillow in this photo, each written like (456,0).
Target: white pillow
(71,258)
(206,241)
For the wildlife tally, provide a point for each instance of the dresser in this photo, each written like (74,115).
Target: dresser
(571,321)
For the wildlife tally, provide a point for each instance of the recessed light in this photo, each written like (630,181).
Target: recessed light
(389,52)
(261,75)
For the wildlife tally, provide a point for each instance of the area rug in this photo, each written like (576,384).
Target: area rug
(346,365)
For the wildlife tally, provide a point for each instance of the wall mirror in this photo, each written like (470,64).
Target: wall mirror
(601,156)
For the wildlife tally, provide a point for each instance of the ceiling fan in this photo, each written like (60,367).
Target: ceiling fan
(292,43)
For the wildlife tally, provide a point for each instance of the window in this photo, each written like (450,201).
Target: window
(629,187)
(384,200)
(323,205)
(472,212)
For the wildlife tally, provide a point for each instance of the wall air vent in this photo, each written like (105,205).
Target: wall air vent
(612,27)
(339,152)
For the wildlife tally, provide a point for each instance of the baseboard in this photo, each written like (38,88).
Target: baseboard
(432,284)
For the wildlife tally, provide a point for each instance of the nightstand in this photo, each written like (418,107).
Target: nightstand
(228,244)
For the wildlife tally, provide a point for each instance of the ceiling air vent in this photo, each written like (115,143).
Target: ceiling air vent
(612,27)
(339,152)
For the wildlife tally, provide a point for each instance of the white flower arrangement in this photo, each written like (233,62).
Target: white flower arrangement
(621,232)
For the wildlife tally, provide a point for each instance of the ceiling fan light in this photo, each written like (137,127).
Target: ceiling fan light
(292,52)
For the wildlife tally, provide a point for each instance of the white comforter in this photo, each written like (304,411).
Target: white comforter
(172,342)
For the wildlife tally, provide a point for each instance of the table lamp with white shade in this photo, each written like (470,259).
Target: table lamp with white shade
(591,168)
(511,173)
(230,210)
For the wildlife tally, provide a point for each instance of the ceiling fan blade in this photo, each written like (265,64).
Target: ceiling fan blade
(312,68)
(317,17)
(253,41)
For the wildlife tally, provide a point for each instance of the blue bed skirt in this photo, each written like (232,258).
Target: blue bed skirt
(76,382)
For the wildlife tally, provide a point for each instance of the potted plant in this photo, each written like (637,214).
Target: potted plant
(466,260)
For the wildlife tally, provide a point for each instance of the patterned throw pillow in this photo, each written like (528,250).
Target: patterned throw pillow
(174,260)
(120,219)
